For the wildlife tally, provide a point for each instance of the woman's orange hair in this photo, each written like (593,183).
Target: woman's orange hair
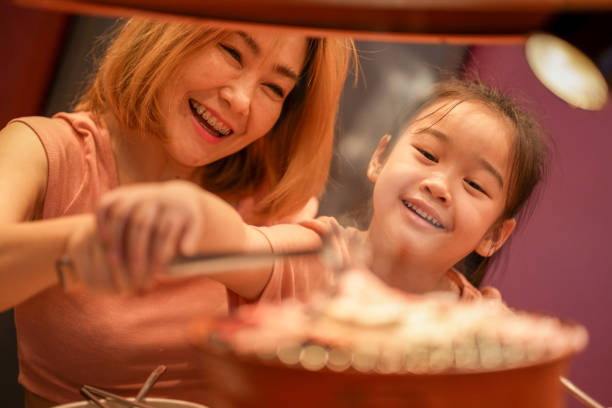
(291,163)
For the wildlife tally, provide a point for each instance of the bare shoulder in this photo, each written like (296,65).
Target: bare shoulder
(23,173)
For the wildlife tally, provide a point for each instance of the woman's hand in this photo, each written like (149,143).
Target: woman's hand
(140,228)
(88,266)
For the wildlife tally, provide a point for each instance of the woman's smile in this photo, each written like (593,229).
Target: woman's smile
(209,119)
(208,124)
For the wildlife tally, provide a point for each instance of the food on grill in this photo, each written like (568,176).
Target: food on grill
(370,345)
(368,327)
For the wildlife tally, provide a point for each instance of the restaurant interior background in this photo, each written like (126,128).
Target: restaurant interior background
(558,263)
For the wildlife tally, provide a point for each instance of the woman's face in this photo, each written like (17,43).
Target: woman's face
(444,184)
(229,94)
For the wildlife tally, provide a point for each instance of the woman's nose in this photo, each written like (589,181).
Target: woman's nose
(238,96)
(437,188)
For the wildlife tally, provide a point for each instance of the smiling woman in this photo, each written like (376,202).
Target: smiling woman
(252,73)
(237,70)
(246,115)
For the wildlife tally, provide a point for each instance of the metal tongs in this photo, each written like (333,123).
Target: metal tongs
(338,251)
(218,262)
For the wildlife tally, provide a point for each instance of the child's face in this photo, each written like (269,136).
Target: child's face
(229,94)
(443,186)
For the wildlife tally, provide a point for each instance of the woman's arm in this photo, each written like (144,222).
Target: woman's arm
(142,227)
(28,249)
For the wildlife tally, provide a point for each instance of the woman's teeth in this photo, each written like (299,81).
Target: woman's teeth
(209,119)
(423,215)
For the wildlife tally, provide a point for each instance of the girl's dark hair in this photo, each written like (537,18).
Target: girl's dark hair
(528,153)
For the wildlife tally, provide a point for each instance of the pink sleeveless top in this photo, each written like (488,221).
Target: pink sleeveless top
(67,340)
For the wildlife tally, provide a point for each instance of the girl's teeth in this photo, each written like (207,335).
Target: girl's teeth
(423,214)
(200,109)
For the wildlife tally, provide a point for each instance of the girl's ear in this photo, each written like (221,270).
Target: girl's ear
(376,161)
(496,238)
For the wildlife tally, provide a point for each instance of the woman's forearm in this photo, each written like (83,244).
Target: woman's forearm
(28,252)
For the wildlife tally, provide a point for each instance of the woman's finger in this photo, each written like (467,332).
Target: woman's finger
(104,278)
(104,215)
(138,240)
(116,224)
(166,242)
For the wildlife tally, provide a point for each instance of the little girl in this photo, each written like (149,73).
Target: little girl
(452,185)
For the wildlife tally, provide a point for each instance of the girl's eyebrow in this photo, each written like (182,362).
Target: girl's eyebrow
(443,137)
(256,49)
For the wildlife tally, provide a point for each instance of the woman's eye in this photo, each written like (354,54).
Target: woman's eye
(276,89)
(428,155)
(232,52)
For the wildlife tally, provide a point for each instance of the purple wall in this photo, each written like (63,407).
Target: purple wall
(560,263)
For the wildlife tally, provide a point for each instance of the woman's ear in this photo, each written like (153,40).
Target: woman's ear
(496,238)
(376,161)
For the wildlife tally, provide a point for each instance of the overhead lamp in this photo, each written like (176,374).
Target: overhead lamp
(572,57)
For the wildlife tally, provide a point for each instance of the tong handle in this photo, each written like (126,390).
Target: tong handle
(580,395)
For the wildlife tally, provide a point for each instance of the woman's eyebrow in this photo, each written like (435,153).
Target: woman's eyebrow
(256,49)
(443,137)
(250,42)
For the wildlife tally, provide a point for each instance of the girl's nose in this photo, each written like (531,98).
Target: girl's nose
(238,96)
(437,188)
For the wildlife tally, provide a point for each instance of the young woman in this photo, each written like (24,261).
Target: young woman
(249,116)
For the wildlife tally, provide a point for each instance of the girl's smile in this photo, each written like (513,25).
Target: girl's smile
(423,212)
(442,188)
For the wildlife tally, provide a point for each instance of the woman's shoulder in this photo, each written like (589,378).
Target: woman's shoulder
(24,169)
(60,119)
(63,127)
(79,160)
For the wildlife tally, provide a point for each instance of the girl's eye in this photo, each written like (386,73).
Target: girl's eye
(232,52)
(475,186)
(428,155)
(276,89)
